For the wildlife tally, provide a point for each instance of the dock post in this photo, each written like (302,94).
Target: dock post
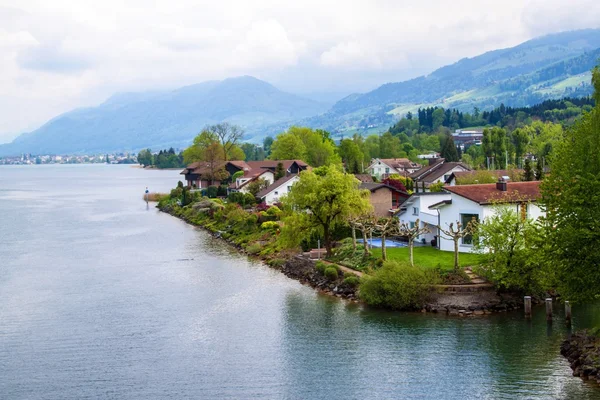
(549,309)
(568,312)
(527,306)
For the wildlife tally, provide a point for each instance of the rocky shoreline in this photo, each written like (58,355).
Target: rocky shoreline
(582,350)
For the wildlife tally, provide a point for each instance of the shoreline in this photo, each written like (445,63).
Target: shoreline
(452,300)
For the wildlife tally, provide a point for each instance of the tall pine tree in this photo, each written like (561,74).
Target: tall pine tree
(528,171)
(449,152)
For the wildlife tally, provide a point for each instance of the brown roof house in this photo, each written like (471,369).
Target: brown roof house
(437,171)
(384,167)
(201,174)
(385,199)
(480,201)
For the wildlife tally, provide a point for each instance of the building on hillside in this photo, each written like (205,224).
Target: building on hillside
(417,207)
(385,199)
(384,167)
(478,202)
(467,137)
(198,174)
(507,175)
(276,190)
(437,171)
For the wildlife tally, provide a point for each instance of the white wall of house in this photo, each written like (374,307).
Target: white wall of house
(463,210)
(276,193)
(417,207)
(379,168)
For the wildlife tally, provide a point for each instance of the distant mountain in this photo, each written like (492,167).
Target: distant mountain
(548,67)
(131,121)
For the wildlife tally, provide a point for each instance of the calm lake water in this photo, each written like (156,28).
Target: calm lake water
(103,298)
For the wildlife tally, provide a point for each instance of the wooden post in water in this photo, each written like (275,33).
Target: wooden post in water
(527,306)
(568,312)
(549,309)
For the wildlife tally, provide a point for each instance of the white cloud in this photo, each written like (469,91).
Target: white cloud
(63,54)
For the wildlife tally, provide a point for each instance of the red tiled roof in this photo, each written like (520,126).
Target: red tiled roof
(516,192)
(399,163)
(365,178)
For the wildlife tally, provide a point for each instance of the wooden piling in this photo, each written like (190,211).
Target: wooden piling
(527,306)
(568,312)
(549,309)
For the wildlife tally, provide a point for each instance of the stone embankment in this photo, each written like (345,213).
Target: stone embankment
(303,270)
(582,350)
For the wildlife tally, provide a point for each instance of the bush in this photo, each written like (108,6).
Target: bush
(351,281)
(176,193)
(398,286)
(320,266)
(273,211)
(270,226)
(222,191)
(212,192)
(331,273)
(254,248)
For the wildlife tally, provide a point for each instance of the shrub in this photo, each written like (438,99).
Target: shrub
(176,193)
(222,191)
(277,262)
(398,286)
(269,225)
(254,248)
(212,192)
(351,281)
(273,211)
(331,273)
(320,266)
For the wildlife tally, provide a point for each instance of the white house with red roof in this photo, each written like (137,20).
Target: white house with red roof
(277,189)
(384,167)
(479,202)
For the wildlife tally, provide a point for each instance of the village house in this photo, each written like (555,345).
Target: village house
(437,171)
(198,174)
(385,199)
(468,202)
(416,207)
(384,167)
(275,191)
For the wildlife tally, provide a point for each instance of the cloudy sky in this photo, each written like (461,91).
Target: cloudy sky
(62,54)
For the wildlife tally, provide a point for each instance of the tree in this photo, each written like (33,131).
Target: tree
(449,152)
(351,155)
(455,235)
(328,197)
(213,155)
(528,171)
(385,227)
(411,233)
(145,157)
(228,135)
(570,197)
(539,170)
(257,185)
(279,171)
(196,151)
(510,247)
(267,143)
(288,147)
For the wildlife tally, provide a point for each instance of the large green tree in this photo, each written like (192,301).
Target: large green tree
(205,139)
(571,198)
(325,197)
(288,147)
(312,146)
(351,156)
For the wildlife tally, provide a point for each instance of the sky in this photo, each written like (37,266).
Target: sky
(62,54)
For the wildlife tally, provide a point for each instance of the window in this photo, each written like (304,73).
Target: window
(387,170)
(464,220)
(289,188)
(415,210)
(446,177)
(412,224)
(276,193)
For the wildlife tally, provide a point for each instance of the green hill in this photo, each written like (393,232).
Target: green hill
(545,68)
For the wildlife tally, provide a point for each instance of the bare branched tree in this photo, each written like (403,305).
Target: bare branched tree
(229,135)
(385,227)
(455,234)
(404,230)
(366,224)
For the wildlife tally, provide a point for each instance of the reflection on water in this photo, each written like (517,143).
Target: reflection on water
(102,297)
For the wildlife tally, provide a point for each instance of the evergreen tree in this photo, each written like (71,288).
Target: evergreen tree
(449,152)
(528,173)
(539,170)
(279,171)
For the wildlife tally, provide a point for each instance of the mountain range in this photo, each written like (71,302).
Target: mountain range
(548,67)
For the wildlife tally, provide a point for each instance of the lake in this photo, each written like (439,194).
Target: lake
(102,297)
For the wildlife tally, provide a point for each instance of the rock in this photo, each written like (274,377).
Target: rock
(478,312)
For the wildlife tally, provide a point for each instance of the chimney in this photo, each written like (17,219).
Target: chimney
(501,185)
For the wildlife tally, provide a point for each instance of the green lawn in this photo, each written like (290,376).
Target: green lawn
(430,257)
